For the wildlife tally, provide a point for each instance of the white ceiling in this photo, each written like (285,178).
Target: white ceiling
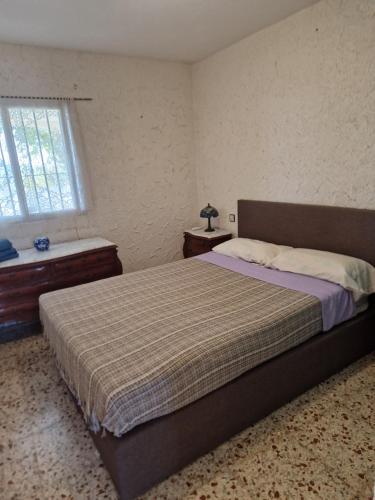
(185,30)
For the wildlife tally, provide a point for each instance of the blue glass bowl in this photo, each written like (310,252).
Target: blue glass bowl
(41,243)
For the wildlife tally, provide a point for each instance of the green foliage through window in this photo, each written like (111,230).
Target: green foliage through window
(36,174)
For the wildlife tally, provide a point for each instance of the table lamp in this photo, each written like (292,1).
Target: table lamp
(207,213)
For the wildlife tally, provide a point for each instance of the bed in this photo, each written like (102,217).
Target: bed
(159,424)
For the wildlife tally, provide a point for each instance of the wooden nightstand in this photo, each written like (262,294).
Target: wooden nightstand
(197,241)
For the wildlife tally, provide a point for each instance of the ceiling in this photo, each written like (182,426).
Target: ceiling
(184,30)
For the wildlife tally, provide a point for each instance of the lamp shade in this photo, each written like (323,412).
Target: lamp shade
(208,212)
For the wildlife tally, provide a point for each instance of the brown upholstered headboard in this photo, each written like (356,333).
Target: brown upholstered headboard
(349,231)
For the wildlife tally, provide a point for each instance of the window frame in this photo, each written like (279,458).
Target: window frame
(69,142)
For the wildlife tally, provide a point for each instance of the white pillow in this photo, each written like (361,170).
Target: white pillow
(250,250)
(351,273)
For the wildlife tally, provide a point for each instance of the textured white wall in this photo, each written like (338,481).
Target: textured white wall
(288,114)
(138,137)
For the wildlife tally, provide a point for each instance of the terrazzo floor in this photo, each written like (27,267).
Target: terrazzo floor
(320,446)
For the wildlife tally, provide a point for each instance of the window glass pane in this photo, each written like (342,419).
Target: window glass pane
(66,192)
(45,170)
(55,191)
(9,203)
(30,193)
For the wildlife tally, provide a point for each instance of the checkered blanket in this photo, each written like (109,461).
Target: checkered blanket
(141,345)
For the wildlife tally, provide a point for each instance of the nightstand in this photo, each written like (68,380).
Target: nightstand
(198,241)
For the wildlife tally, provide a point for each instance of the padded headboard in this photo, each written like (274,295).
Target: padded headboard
(349,231)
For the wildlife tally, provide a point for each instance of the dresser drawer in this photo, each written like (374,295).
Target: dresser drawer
(27,310)
(10,295)
(17,278)
(92,260)
(84,275)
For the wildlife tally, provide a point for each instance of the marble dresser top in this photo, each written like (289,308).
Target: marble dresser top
(214,234)
(55,251)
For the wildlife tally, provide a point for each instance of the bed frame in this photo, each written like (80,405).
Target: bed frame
(154,450)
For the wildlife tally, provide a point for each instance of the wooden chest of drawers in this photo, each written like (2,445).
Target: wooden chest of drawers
(22,284)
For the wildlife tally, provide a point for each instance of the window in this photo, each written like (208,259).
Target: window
(39,168)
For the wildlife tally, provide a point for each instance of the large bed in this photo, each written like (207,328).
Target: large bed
(173,360)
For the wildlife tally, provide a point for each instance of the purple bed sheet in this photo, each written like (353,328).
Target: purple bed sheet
(337,303)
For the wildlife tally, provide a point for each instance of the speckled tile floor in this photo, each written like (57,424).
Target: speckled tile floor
(320,446)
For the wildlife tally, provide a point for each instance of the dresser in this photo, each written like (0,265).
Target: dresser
(24,279)
(198,241)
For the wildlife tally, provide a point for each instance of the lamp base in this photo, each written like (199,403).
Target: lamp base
(209,228)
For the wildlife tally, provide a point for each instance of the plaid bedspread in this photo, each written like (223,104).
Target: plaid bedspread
(141,345)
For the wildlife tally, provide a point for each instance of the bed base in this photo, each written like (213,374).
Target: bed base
(153,451)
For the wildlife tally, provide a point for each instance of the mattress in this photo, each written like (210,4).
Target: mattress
(138,346)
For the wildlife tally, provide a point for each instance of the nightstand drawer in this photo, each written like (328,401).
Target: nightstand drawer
(194,253)
(200,246)
(196,244)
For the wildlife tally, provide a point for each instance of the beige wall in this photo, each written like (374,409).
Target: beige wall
(137,133)
(288,114)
